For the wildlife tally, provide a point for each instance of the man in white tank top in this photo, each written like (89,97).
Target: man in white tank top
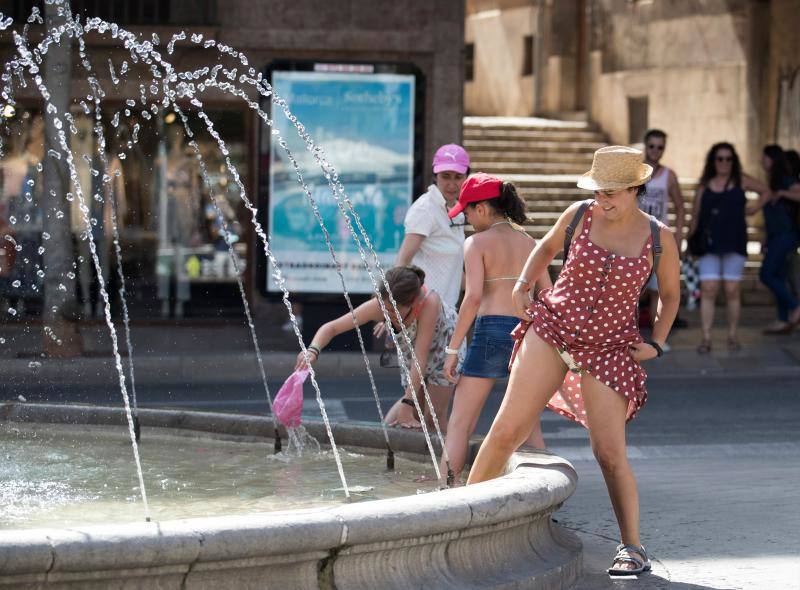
(662,188)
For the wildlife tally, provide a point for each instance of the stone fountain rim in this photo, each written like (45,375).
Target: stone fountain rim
(535,481)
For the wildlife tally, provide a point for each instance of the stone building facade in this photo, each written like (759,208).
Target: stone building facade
(717,70)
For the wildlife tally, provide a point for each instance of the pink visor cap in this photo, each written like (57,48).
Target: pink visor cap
(451,158)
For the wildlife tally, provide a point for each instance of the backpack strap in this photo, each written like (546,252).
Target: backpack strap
(573,224)
(655,233)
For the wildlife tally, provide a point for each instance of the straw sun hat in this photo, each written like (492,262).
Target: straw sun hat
(616,167)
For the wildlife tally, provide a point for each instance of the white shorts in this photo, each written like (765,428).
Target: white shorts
(726,267)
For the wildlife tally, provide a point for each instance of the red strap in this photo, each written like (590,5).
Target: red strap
(417,307)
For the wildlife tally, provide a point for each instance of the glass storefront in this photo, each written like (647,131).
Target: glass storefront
(171,219)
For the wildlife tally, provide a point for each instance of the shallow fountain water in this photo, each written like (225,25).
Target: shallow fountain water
(57,476)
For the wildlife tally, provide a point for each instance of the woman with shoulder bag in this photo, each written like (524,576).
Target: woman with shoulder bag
(583,356)
(718,235)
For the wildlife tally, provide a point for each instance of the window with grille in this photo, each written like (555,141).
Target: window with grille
(638,107)
(469,62)
(527,55)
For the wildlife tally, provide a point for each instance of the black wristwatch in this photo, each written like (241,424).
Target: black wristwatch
(409,402)
(659,350)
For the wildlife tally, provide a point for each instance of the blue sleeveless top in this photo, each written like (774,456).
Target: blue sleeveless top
(723,216)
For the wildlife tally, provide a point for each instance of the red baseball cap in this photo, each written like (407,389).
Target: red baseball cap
(478,187)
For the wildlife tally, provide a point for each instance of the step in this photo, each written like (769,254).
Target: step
(575,121)
(585,159)
(543,181)
(522,145)
(528,167)
(533,134)
(542,195)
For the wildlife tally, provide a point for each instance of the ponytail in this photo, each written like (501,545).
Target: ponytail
(510,205)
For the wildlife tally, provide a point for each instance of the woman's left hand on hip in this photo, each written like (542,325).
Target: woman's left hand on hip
(641,351)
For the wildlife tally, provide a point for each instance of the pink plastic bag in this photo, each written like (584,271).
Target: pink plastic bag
(288,404)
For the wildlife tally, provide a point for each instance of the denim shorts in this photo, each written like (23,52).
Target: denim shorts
(727,267)
(490,349)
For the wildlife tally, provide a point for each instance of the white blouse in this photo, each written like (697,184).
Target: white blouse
(441,255)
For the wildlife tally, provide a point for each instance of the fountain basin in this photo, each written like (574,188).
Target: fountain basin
(497,534)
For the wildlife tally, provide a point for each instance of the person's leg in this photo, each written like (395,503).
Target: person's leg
(104,253)
(733,306)
(732,271)
(470,395)
(182,284)
(165,270)
(710,269)
(793,271)
(606,412)
(536,438)
(708,299)
(440,398)
(536,375)
(774,272)
(768,275)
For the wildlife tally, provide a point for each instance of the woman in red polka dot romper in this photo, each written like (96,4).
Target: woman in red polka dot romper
(582,357)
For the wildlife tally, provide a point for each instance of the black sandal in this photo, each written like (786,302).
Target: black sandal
(734,345)
(630,554)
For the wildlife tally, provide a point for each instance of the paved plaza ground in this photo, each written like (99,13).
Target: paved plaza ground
(716,450)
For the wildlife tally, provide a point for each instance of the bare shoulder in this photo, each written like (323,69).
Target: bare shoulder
(750,183)
(663,229)
(569,213)
(747,177)
(667,238)
(573,208)
(432,301)
(477,243)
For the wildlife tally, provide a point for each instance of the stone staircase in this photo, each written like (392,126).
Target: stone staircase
(542,157)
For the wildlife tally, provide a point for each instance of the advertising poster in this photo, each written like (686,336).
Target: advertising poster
(364,124)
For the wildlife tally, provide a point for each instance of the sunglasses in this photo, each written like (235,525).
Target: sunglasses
(655,146)
(724,158)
